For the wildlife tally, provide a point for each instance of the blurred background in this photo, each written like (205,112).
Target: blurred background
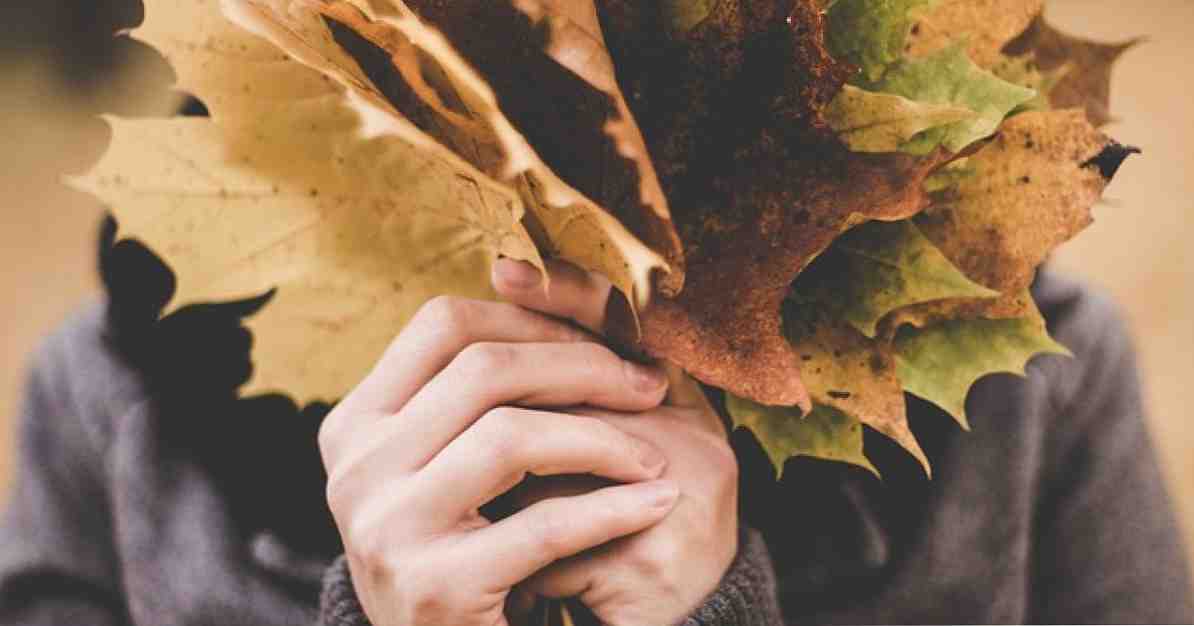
(59,66)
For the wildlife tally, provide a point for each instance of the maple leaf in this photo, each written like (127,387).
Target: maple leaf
(365,155)
(436,88)
(950,77)
(983,27)
(878,268)
(846,371)
(823,433)
(1086,64)
(1030,190)
(757,200)
(940,363)
(280,189)
(878,122)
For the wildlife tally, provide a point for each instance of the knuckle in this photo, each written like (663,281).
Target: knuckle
(659,556)
(330,435)
(449,317)
(547,528)
(481,359)
(339,494)
(367,546)
(500,434)
(597,361)
(605,436)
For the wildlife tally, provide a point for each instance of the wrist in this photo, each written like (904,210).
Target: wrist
(747,594)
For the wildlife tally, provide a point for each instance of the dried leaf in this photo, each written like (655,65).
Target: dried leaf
(878,268)
(757,200)
(822,434)
(984,27)
(877,122)
(1031,189)
(588,155)
(1087,64)
(940,363)
(283,190)
(846,371)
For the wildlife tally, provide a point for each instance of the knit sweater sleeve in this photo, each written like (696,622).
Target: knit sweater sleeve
(746,596)
(57,560)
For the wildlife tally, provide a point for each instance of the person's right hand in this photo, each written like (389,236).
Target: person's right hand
(434,432)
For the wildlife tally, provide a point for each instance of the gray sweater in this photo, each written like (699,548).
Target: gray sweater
(147,493)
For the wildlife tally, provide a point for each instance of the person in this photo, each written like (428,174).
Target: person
(499,452)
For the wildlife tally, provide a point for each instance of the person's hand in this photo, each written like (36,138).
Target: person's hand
(660,575)
(436,430)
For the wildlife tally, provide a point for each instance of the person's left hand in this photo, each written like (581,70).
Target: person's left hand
(660,575)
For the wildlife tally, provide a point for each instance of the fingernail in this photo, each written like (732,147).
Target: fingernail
(645,378)
(652,460)
(661,494)
(516,274)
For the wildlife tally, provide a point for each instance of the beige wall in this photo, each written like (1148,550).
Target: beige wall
(1139,249)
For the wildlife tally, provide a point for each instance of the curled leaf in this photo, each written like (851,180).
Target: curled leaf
(424,88)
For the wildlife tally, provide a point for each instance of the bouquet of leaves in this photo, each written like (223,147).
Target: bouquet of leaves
(814,207)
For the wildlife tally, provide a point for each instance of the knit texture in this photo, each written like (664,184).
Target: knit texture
(747,595)
(339,604)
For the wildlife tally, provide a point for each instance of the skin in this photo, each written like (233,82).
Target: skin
(625,483)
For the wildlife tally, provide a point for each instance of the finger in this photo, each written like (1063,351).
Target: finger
(522,544)
(566,578)
(500,449)
(488,375)
(571,292)
(438,332)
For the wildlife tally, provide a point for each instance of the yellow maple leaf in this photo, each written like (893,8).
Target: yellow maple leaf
(283,187)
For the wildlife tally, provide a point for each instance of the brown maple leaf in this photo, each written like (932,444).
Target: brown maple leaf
(1086,82)
(732,111)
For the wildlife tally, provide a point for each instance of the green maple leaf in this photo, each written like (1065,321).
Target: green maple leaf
(868,121)
(950,77)
(879,267)
(941,362)
(871,33)
(824,433)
